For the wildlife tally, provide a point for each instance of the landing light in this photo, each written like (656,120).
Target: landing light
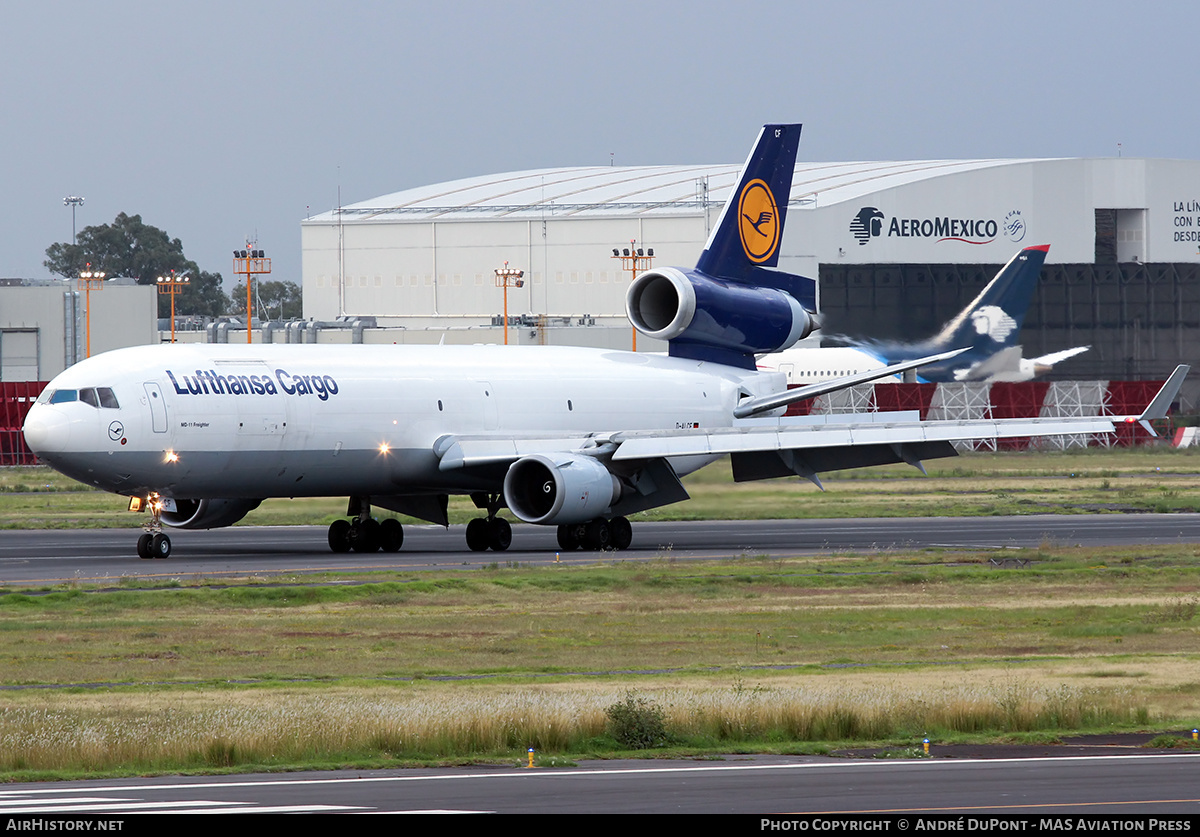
(384,448)
(170,456)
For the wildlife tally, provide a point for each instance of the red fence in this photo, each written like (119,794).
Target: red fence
(1017,400)
(15,399)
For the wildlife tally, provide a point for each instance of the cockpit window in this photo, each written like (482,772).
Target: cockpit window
(95,396)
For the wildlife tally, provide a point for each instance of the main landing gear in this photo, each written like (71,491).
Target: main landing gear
(364,533)
(596,535)
(153,543)
(489,532)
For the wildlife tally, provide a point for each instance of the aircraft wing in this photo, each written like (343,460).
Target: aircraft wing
(1006,360)
(845,431)
(809,443)
(456,452)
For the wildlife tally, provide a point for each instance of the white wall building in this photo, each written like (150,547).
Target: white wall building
(900,243)
(43,325)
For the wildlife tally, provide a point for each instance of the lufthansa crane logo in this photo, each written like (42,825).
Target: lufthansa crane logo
(758,221)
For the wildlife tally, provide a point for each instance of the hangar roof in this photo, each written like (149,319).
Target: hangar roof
(621,191)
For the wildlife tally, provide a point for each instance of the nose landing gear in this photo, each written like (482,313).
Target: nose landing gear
(153,543)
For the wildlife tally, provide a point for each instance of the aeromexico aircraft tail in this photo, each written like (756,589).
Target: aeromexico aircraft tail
(985,328)
(735,304)
(994,318)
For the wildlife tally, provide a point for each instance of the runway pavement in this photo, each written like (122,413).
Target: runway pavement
(49,556)
(1125,786)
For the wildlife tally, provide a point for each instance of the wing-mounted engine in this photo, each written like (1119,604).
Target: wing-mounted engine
(207,514)
(560,489)
(714,319)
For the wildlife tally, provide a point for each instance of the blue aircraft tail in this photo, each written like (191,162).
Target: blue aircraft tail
(994,318)
(734,304)
(744,245)
(986,328)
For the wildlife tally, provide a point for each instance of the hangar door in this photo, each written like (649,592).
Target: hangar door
(19,354)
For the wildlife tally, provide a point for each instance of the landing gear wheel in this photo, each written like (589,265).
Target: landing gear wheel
(499,534)
(160,546)
(478,536)
(596,534)
(364,535)
(621,532)
(339,536)
(568,537)
(143,546)
(391,535)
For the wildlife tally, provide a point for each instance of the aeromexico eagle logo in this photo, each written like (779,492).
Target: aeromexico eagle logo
(871,223)
(994,322)
(758,221)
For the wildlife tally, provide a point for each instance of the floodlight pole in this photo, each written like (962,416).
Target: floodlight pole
(171,285)
(88,277)
(250,263)
(508,277)
(635,261)
(73,201)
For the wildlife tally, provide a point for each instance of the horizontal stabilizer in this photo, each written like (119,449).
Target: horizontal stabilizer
(1059,357)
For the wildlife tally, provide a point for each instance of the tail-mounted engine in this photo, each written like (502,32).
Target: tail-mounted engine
(713,319)
(565,488)
(207,514)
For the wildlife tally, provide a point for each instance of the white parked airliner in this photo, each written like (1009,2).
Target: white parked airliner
(569,437)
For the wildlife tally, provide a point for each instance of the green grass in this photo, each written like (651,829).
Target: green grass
(782,654)
(789,655)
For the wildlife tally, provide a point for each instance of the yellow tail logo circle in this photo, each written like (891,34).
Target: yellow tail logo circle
(758,221)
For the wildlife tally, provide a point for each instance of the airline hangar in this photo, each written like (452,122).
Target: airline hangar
(896,247)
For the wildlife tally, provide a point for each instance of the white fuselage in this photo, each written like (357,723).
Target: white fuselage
(812,365)
(220,421)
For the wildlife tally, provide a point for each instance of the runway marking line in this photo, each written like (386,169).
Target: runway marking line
(520,774)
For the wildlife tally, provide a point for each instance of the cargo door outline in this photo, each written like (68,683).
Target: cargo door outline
(158,407)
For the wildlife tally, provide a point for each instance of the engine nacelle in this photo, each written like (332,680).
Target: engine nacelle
(207,514)
(692,308)
(566,488)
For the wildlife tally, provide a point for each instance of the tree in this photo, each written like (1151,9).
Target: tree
(128,247)
(272,300)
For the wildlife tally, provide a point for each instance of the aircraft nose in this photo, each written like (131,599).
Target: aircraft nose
(46,431)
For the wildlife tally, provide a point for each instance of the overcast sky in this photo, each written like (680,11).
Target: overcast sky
(220,120)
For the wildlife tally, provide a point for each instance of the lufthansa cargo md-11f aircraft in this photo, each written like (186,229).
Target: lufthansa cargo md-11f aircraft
(567,437)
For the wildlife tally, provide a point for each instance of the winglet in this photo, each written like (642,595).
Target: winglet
(1158,406)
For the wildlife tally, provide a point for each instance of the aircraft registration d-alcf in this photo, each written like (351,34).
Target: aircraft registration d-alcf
(986,330)
(568,437)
